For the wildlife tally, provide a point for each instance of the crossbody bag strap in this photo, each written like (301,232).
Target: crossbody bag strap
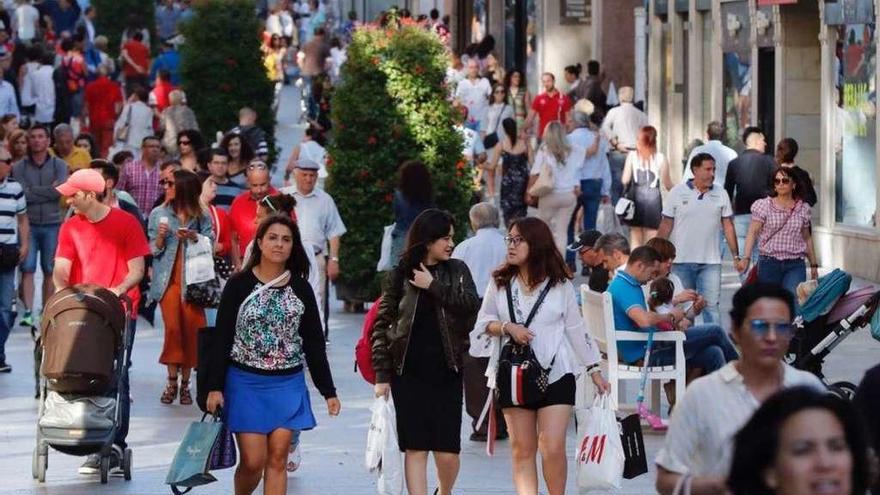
(787,218)
(265,287)
(534,311)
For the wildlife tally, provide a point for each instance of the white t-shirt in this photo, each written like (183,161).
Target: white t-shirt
(697,220)
(26,17)
(713,409)
(566,177)
(475,96)
(722,155)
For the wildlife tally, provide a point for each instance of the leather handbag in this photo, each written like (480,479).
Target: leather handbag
(122,132)
(521,380)
(544,185)
(625,209)
(491,140)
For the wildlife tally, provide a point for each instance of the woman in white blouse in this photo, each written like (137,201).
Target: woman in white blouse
(137,117)
(566,160)
(556,335)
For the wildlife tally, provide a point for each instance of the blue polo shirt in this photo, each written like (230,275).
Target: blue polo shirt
(626,292)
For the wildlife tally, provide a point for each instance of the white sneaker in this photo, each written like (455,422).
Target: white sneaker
(294,459)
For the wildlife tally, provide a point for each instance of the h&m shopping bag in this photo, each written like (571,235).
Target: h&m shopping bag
(195,455)
(599,452)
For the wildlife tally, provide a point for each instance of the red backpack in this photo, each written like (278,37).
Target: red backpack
(363,350)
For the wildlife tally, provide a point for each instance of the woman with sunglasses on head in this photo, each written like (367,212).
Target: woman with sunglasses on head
(536,284)
(172,225)
(268,331)
(428,307)
(781,226)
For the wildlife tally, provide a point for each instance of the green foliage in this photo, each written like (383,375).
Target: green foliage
(113,16)
(390,107)
(221,66)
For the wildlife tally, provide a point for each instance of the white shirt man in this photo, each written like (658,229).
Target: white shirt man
(26,18)
(38,89)
(623,123)
(722,154)
(473,92)
(486,250)
(8,103)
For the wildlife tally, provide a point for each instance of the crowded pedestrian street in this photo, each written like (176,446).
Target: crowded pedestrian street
(439,247)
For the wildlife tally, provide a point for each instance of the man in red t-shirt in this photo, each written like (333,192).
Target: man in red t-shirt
(243,212)
(103,104)
(136,62)
(117,237)
(548,106)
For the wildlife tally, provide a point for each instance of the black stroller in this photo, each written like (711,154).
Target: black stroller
(86,345)
(825,320)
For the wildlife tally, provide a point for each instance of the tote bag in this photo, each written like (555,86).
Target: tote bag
(599,452)
(544,185)
(192,462)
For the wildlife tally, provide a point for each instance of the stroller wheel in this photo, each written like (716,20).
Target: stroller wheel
(35,466)
(126,464)
(105,469)
(40,464)
(844,390)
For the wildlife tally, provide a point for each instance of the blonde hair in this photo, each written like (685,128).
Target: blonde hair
(555,142)
(175,97)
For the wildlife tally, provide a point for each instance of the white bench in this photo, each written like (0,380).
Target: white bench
(599,318)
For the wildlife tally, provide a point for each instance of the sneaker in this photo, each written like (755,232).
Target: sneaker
(27,320)
(116,461)
(5,368)
(91,466)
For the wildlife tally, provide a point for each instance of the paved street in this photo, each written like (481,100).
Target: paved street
(333,452)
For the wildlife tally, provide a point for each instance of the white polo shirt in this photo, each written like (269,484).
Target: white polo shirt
(713,409)
(697,222)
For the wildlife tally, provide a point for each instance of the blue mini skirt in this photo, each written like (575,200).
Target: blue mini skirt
(263,403)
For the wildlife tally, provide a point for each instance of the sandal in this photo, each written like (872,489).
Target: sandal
(170,391)
(185,398)
(294,458)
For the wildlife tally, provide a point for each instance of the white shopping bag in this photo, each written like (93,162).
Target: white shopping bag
(383,452)
(606,220)
(599,452)
(199,262)
(385,262)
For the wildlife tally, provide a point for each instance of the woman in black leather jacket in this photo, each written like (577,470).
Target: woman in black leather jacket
(429,304)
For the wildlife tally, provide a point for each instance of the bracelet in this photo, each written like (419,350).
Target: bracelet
(503,325)
(334,258)
(593,368)
(814,266)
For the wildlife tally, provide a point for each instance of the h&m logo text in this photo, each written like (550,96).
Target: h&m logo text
(592,449)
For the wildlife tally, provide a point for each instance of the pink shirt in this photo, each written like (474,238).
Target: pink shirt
(781,236)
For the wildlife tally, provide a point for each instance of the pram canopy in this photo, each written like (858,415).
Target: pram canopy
(829,290)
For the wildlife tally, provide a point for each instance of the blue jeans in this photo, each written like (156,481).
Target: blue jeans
(707,347)
(705,278)
(741,223)
(617,160)
(7,289)
(123,386)
(44,240)
(787,273)
(591,196)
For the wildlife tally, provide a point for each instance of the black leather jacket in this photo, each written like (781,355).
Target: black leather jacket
(457,302)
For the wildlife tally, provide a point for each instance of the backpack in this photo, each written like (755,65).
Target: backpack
(363,350)
(82,329)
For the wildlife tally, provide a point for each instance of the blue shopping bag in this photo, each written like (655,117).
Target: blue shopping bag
(193,460)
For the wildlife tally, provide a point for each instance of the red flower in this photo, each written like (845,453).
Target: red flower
(375,60)
(389,198)
(458,174)
(459,165)
(372,140)
(225,87)
(364,174)
(330,161)
(420,70)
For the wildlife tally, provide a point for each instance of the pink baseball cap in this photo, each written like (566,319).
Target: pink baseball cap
(87,180)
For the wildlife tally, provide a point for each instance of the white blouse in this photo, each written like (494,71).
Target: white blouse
(558,327)
(566,176)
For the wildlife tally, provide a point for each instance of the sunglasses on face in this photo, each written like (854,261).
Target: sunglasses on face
(781,180)
(166,183)
(184,142)
(760,328)
(513,240)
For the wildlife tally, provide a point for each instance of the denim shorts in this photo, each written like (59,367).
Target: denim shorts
(44,239)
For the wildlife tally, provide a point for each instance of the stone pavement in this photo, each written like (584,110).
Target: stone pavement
(333,452)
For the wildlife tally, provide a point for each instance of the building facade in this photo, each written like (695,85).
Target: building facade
(804,69)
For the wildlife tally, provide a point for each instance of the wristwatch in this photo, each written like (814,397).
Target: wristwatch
(334,258)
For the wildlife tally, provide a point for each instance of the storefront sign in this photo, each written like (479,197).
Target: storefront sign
(576,11)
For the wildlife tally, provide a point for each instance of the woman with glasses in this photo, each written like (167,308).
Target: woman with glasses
(781,226)
(240,155)
(491,132)
(174,224)
(190,144)
(535,280)
(697,451)
(428,306)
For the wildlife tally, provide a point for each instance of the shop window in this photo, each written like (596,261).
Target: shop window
(737,95)
(855,127)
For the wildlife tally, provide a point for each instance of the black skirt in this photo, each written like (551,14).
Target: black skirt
(428,395)
(648,202)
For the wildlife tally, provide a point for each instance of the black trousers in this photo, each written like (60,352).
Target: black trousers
(476,391)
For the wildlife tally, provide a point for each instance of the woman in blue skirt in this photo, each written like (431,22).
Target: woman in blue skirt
(268,330)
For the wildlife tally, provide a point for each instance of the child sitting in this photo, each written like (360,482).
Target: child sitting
(660,294)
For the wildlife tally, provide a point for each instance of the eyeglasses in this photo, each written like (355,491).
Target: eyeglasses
(184,142)
(514,240)
(760,328)
(7,161)
(499,91)
(781,180)
(257,165)
(166,183)
(268,204)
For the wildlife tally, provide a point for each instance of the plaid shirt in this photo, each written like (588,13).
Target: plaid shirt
(780,236)
(141,183)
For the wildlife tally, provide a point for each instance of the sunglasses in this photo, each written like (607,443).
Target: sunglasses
(257,165)
(166,183)
(760,328)
(781,180)
(268,204)
(184,142)
(513,240)
(499,91)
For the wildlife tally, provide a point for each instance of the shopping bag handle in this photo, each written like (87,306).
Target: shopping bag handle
(215,415)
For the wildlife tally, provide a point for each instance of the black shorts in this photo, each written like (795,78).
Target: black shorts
(560,392)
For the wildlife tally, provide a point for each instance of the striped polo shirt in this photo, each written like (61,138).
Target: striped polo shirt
(12,203)
(226,193)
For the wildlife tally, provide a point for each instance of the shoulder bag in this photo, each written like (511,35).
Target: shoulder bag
(752,275)
(221,265)
(544,185)
(122,132)
(203,287)
(521,380)
(491,140)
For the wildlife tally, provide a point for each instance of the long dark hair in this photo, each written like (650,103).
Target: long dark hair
(509,76)
(757,443)
(247,154)
(415,182)
(297,263)
(796,192)
(430,225)
(187,190)
(509,126)
(545,261)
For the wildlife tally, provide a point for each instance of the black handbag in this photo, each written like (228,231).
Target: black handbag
(491,140)
(521,380)
(8,256)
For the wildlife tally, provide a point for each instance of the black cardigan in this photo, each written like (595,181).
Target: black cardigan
(238,288)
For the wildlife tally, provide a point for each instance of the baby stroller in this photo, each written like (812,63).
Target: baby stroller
(826,318)
(86,344)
